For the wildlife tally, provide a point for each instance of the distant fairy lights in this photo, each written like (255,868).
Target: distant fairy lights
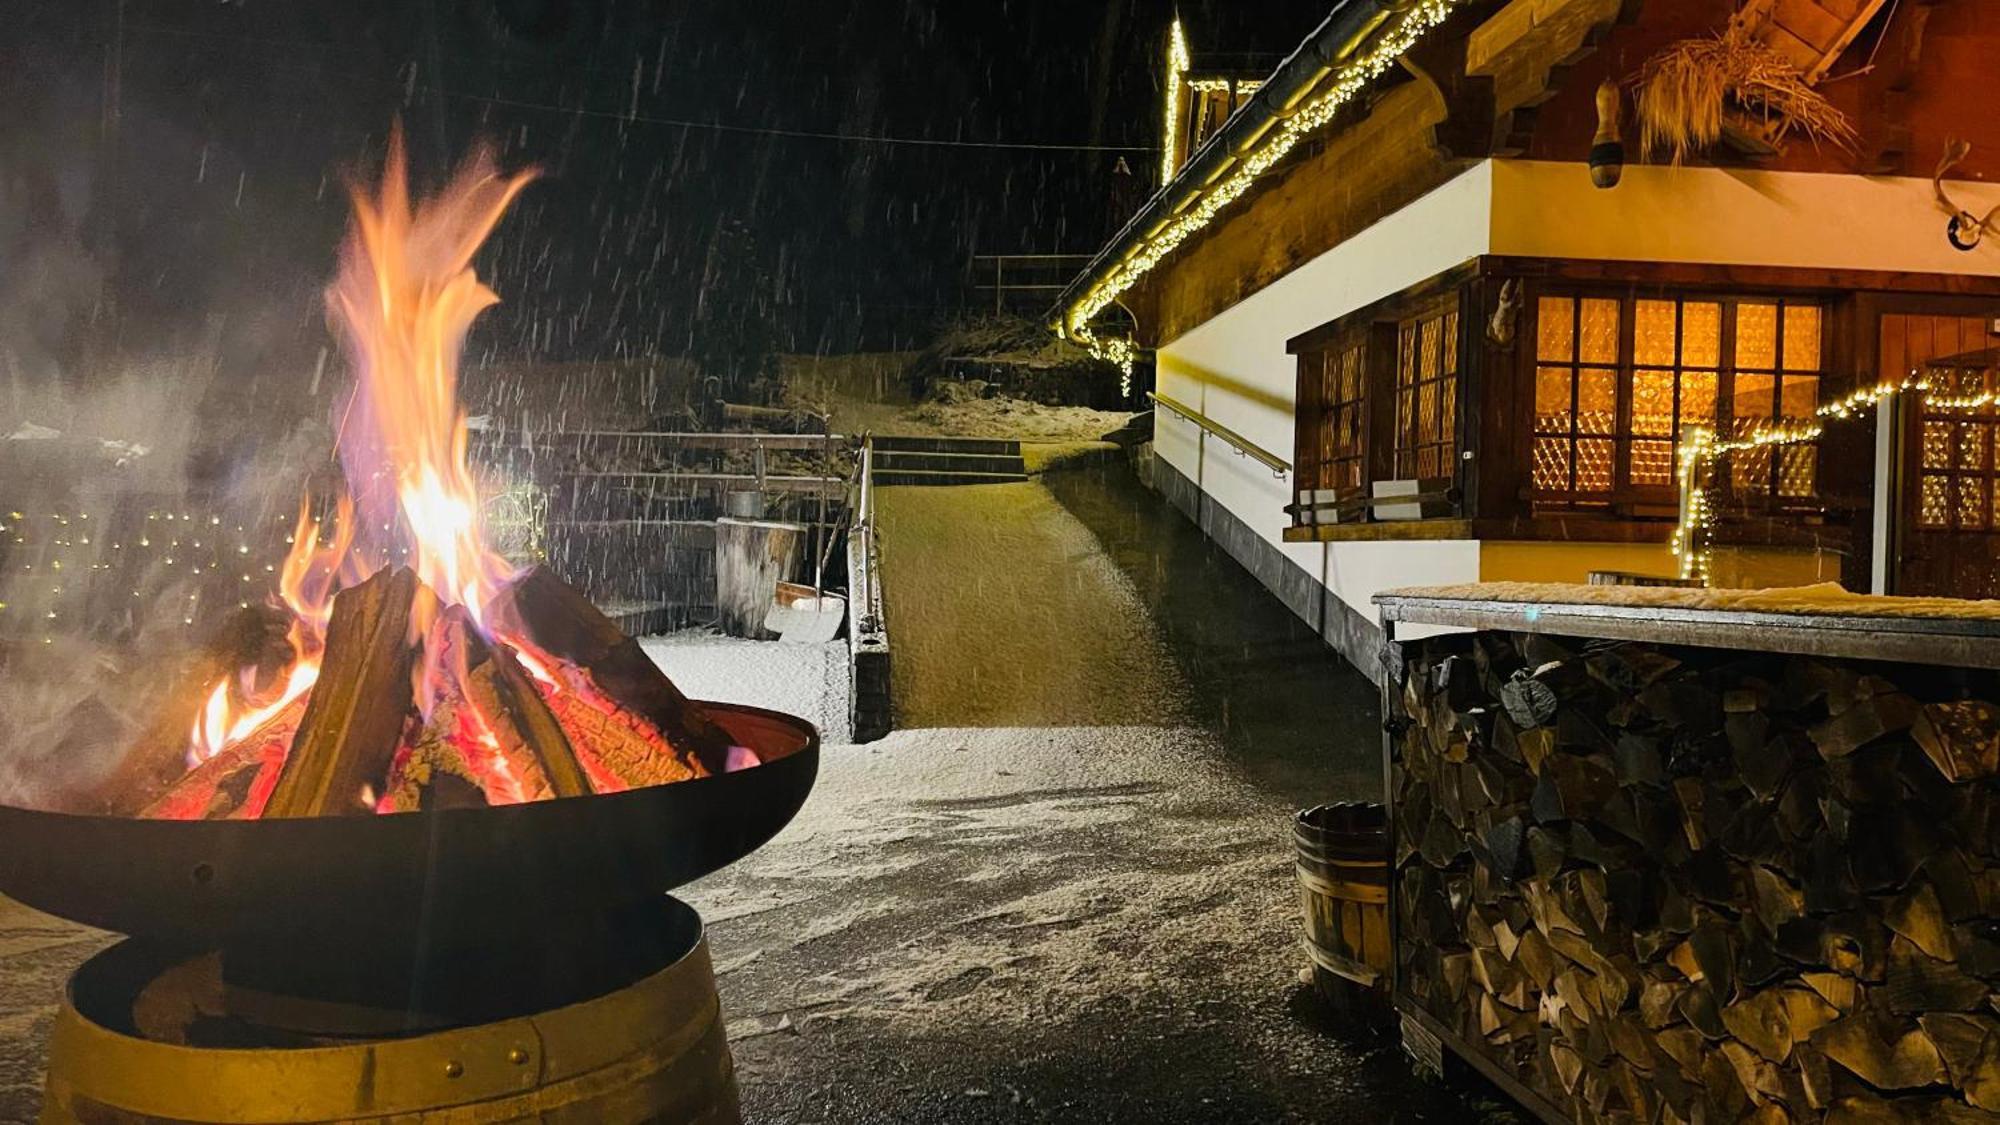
(1401,30)
(1700,450)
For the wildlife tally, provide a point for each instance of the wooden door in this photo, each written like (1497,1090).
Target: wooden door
(1948,541)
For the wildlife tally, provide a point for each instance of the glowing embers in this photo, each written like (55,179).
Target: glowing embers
(563,707)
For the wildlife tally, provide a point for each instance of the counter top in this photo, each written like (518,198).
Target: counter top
(1822,620)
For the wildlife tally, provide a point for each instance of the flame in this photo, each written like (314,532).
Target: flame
(403,299)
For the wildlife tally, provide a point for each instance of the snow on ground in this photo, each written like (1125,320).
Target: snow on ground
(1004,610)
(807,680)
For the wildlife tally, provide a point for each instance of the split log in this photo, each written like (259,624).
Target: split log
(554,617)
(433,772)
(1970,1047)
(236,783)
(355,719)
(1961,739)
(1918,983)
(1879,1056)
(525,732)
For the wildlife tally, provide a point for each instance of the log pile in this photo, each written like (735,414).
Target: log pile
(1674,885)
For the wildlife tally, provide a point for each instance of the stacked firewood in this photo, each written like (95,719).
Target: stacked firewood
(1681,885)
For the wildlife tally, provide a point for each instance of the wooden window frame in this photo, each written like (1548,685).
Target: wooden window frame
(1376,331)
(1444,387)
(1625,497)
(1318,454)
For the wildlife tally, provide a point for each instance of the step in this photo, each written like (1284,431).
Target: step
(897,443)
(886,477)
(893,460)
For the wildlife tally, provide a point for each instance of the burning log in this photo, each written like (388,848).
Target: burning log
(560,621)
(236,783)
(355,719)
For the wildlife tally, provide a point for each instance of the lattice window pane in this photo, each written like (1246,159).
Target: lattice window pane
(1653,402)
(1654,333)
(1797,470)
(1698,402)
(1757,335)
(1552,464)
(1934,510)
(1432,354)
(1701,334)
(1593,464)
(1937,445)
(1750,470)
(1653,462)
(1801,396)
(1599,338)
(1555,318)
(1802,335)
(1448,411)
(1597,401)
(1450,331)
(1971,506)
(1754,396)
(1552,400)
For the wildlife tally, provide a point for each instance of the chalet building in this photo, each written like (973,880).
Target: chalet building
(1401,336)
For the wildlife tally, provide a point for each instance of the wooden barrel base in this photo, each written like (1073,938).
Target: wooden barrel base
(651,1051)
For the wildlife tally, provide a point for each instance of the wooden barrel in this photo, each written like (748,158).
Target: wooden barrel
(651,1052)
(1343,870)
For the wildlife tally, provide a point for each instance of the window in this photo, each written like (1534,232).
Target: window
(1338,456)
(1617,380)
(1776,378)
(1427,395)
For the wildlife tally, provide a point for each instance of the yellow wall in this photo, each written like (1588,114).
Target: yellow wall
(1732,567)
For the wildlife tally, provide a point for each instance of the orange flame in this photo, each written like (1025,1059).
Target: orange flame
(404,298)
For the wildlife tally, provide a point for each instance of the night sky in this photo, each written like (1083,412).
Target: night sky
(206,211)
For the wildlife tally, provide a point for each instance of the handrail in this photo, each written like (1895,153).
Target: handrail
(1243,445)
(865,600)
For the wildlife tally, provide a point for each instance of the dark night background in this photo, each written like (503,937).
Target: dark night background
(170,170)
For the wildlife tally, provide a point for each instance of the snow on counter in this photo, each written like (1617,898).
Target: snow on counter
(1821,620)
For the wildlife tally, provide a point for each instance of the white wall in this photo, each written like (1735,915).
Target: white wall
(1731,216)
(1234,369)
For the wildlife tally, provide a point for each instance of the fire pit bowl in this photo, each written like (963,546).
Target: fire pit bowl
(455,878)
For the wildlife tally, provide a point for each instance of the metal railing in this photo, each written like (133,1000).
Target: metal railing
(1030,276)
(1242,445)
(865,598)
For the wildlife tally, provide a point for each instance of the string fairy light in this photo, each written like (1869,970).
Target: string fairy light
(1402,31)
(1244,86)
(1694,530)
(1177,65)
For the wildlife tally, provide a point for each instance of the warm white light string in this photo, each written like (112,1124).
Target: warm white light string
(1404,29)
(1700,449)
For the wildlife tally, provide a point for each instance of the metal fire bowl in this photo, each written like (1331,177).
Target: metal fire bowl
(451,878)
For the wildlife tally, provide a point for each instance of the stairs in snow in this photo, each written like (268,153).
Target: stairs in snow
(947,460)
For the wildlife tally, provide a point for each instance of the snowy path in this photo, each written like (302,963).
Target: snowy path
(1004,611)
(1048,896)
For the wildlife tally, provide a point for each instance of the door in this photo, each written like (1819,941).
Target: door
(1948,541)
